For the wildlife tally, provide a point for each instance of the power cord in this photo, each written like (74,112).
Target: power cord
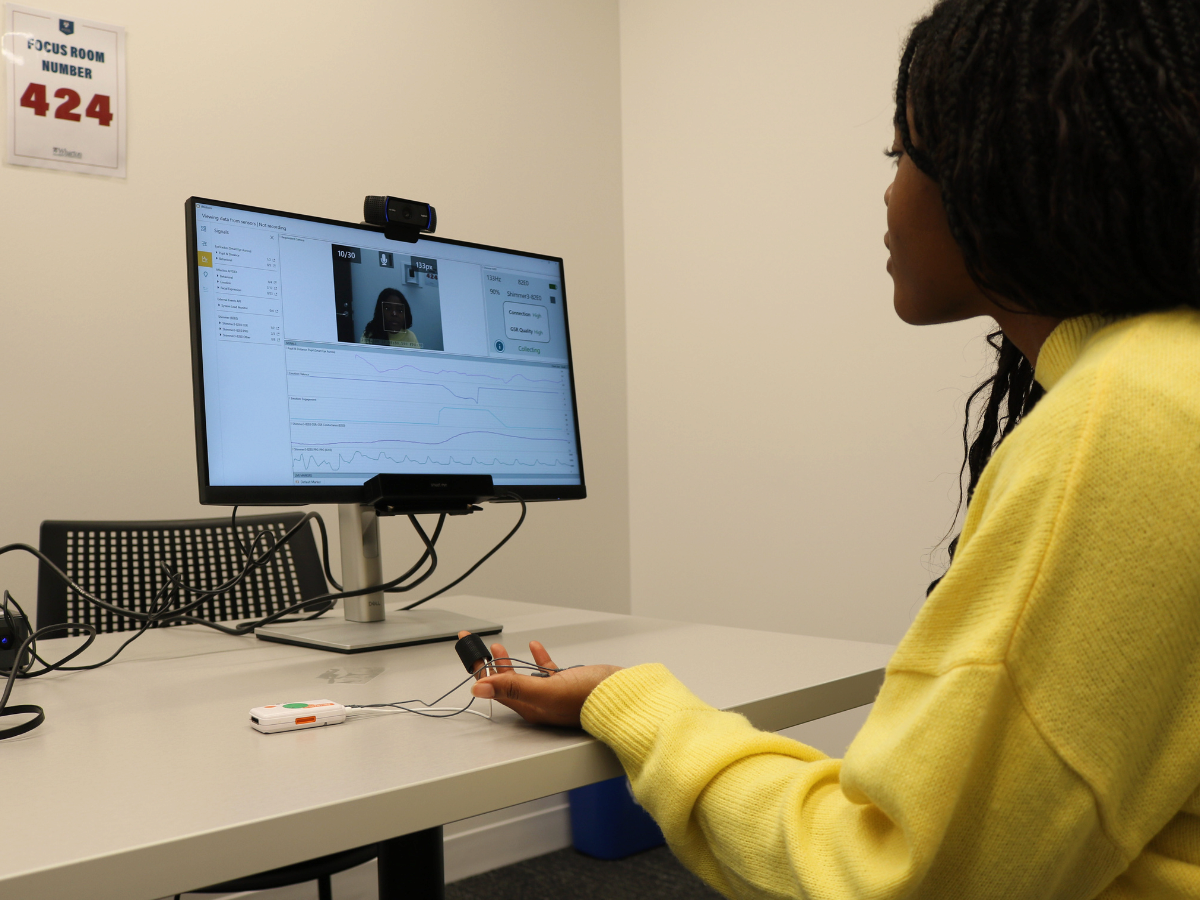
(324,602)
(169,594)
(485,558)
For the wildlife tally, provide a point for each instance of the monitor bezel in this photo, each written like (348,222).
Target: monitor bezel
(302,495)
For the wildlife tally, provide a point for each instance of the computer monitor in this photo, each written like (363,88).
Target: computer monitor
(324,354)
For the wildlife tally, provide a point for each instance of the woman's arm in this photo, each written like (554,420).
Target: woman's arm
(947,792)
(1039,726)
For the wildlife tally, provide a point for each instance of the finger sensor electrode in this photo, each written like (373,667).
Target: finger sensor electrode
(471,650)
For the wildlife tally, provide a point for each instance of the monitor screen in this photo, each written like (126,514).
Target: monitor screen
(324,354)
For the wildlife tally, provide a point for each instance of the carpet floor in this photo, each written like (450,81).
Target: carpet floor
(569,875)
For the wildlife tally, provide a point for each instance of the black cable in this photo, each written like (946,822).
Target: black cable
(160,610)
(254,562)
(29,643)
(485,558)
(324,553)
(174,586)
(539,671)
(172,581)
(160,605)
(158,613)
(33,654)
(327,600)
(433,539)
(61,665)
(324,543)
(203,595)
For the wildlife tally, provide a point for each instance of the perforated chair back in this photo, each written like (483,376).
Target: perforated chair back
(122,563)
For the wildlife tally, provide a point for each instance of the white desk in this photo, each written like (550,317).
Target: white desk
(146,778)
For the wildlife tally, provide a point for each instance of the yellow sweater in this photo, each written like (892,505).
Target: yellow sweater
(1038,732)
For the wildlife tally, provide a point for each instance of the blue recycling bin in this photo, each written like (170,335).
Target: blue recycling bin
(607,823)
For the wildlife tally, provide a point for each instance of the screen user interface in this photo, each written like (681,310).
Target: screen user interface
(331,354)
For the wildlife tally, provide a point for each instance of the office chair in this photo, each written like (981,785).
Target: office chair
(318,870)
(121,562)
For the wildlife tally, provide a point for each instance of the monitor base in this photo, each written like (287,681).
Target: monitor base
(401,629)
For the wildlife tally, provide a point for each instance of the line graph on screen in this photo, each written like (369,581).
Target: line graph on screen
(357,413)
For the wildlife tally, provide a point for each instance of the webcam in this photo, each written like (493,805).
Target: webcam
(401,220)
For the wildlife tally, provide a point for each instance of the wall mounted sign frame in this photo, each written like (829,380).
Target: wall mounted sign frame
(65,92)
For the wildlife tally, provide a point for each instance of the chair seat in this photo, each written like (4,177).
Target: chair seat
(128,563)
(299,873)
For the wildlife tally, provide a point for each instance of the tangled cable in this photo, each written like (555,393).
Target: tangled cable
(434,712)
(162,606)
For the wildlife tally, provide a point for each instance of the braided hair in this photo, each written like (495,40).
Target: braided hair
(1064,136)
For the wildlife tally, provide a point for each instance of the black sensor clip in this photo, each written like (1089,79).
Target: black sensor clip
(471,650)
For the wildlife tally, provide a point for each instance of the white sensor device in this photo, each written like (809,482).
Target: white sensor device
(295,716)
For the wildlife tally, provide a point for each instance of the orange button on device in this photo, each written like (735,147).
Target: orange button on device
(306,720)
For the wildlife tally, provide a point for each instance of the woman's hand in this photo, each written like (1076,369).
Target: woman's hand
(553,699)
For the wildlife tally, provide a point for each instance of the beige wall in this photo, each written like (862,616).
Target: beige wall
(505,116)
(793,446)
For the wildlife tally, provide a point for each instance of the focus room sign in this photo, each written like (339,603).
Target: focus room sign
(66,92)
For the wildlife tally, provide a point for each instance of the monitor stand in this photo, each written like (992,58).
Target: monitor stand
(366,625)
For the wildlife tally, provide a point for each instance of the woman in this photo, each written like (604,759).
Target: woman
(392,323)
(1038,731)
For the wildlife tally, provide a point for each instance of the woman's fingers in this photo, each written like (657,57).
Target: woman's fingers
(499,653)
(506,687)
(531,698)
(540,656)
(548,697)
(533,714)
(552,701)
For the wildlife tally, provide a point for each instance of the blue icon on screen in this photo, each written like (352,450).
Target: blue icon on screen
(499,346)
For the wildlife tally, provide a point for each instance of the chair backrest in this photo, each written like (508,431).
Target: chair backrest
(122,562)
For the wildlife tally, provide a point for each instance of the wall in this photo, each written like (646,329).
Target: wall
(505,116)
(793,446)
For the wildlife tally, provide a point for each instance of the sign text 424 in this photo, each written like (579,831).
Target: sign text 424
(35,98)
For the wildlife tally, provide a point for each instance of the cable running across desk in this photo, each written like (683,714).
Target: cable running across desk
(432,710)
(169,594)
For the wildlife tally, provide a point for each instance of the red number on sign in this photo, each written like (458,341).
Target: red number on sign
(35,98)
(71,100)
(98,109)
